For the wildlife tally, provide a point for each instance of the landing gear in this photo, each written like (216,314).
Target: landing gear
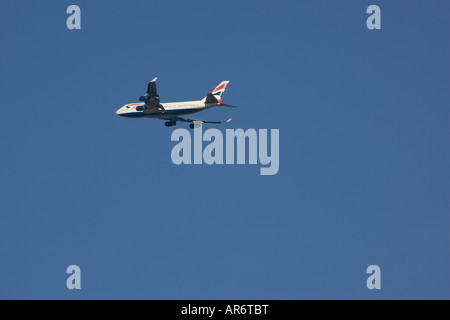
(170,123)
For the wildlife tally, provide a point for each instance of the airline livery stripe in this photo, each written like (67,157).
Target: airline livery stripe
(221,87)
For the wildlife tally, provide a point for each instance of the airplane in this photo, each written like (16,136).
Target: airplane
(150,107)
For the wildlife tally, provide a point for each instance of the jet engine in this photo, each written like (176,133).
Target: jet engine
(170,123)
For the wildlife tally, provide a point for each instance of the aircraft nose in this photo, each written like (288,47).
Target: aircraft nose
(119,111)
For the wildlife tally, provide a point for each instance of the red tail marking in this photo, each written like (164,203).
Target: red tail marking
(223,86)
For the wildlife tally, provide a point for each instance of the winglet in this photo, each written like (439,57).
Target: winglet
(154,80)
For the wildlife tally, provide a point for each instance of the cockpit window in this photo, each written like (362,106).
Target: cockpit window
(128,107)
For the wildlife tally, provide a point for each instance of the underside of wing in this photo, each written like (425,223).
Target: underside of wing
(151,99)
(198,120)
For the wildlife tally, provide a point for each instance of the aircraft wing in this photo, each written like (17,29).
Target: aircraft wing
(197,120)
(152,99)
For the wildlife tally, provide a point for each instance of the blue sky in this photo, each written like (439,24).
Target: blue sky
(364,151)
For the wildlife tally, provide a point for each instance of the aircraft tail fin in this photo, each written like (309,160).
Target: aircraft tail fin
(210,98)
(217,93)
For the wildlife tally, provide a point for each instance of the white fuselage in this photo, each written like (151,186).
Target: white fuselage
(172,109)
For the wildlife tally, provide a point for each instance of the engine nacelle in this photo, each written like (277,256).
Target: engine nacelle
(140,108)
(142,98)
(170,123)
